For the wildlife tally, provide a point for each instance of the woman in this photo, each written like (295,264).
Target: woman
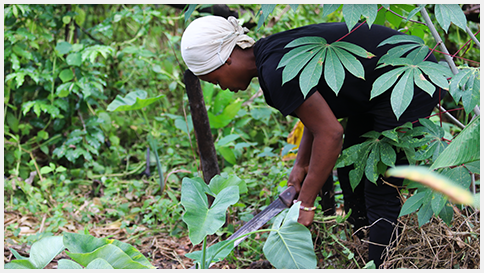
(217,50)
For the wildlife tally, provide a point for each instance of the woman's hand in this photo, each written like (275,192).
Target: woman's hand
(297,177)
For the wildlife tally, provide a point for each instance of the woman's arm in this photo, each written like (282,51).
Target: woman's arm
(301,165)
(327,137)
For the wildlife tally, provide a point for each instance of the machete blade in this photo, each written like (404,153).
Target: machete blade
(284,201)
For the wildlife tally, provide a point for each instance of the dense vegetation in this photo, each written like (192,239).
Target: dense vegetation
(73,165)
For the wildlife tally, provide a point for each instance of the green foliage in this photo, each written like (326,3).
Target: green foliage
(41,254)
(311,53)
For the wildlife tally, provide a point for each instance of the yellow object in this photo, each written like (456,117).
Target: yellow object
(294,138)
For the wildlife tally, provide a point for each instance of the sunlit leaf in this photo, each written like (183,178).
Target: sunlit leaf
(116,257)
(68,264)
(355,49)
(350,63)
(351,13)
(397,52)
(424,213)
(133,101)
(296,64)
(369,11)
(422,82)
(329,8)
(308,40)
(294,53)
(41,254)
(399,38)
(413,203)
(190,10)
(223,248)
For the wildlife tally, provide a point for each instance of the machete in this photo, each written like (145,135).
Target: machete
(282,202)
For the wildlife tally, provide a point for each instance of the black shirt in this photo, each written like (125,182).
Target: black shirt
(353,98)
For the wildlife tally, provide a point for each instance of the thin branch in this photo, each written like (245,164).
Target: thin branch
(403,17)
(473,37)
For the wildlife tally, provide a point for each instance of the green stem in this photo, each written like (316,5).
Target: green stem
(204,251)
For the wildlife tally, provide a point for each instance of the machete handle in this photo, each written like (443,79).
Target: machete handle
(288,195)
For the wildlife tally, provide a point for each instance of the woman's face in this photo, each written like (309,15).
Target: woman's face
(228,76)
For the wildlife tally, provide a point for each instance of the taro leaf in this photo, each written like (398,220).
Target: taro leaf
(425,212)
(68,264)
(116,257)
(447,13)
(219,182)
(290,246)
(42,253)
(99,263)
(435,181)
(463,149)
(84,244)
(217,252)
(402,94)
(334,73)
(413,203)
(201,219)
(133,101)
(385,81)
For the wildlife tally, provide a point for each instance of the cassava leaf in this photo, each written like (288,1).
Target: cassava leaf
(297,63)
(330,8)
(401,38)
(425,212)
(387,154)
(294,53)
(471,95)
(311,74)
(418,55)
(385,81)
(351,14)
(334,73)
(306,41)
(396,52)
(422,82)
(355,49)
(402,94)
(413,203)
(350,63)
(450,13)
(369,11)
(414,11)
(372,163)
(458,82)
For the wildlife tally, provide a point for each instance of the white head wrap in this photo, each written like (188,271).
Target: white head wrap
(208,42)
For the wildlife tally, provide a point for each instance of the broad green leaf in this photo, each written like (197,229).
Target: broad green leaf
(391,134)
(387,154)
(371,163)
(297,63)
(311,74)
(41,254)
(334,73)
(63,48)
(463,149)
(355,49)
(460,175)
(435,181)
(438,202)
(296,52)
(422,82)
(20,264)
(400,38)
(116,257)
(217,252)
(227,140)
(350,155)
(133,101)
(228,154)
(201,219)
(99,263)
(424,213)
(413,203)
(227,115)
(350,63)
(330,8)
(385,81)
(17,255)
(68,264)
(184,126)
(474,167)
(84,244)
(66,75)
(222,181)
(402,94)
(308,40)
(74,59)
(447,213)
(356,175)
(447,13)
(290,246)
